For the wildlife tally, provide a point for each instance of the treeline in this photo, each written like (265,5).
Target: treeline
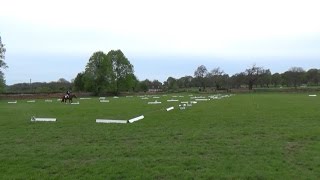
(253,77)
(59,86)
(113,73)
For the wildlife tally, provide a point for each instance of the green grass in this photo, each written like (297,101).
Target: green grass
(249,136)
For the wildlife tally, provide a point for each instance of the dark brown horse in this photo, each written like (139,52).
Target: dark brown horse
(66,97)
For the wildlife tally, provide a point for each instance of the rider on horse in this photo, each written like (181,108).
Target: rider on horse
(67,94)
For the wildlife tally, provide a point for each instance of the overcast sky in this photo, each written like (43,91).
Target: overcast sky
(48,40)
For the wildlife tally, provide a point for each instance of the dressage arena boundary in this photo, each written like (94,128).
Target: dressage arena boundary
(31,101)
(111,121)
(12,102)
(312,95)
(104,101)
(170,108)
(120,121)
(44,119)
(155,102)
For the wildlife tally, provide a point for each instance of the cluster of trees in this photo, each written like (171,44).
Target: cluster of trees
(252,77)
(62,85)
(3,65)
(110,72)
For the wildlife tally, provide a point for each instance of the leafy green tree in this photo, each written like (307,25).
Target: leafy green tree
(79,82)
(313,77)
(98,73)
(201,74)
(252,75)
(276,79)
(122,75)
(3,65)
(294,76)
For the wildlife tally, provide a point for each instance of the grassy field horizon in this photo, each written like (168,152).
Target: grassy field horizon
(246,136)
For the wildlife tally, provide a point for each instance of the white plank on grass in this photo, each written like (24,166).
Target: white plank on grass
(172,100)
(170,108)
(202,99)
(75,103)
(31,101)
(135,119)
(155,102)
(104,101)
(86,98)
(12,102)
(111,121)
(312,95)
(102,98)
(44,119)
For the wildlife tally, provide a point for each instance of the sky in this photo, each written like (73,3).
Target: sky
(48,40)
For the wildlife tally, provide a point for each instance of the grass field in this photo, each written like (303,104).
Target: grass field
(247,136)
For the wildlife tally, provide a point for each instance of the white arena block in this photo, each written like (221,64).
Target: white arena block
(111,121)
(31,101)
(102,98)
(202,99)
(312,95)
(75,103)
(144,98)
(47,100)
(135,119)
(170,108)
(12,102)
(44,119)
(85,98)
(156,102)
(172,100)
(104,101)
(115,97)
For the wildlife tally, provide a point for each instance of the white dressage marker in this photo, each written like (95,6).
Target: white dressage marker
(111,121)
(31,101)
(182,107)
(170,108)
(43,119)
(12,102)
(47,100)
(312,95)
(75,103)
(104,101)
(202,99)
(135,119)
(156,102)
(172,100)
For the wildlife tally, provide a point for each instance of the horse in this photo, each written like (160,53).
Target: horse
(65,98)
